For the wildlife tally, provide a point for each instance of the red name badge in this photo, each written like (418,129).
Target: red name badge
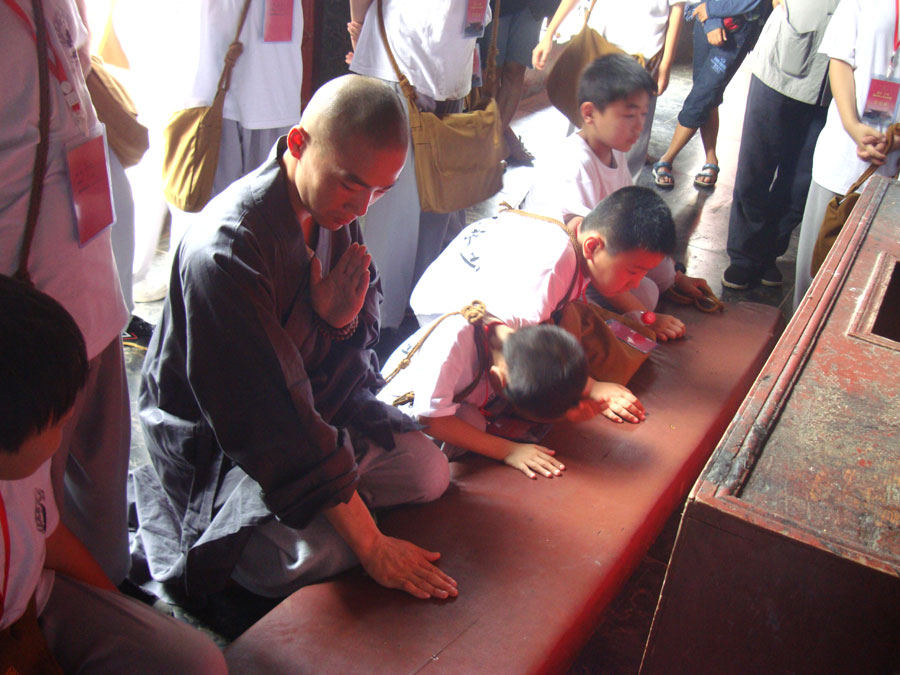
(279,21)
(91,189)
(475,18)
(881,102)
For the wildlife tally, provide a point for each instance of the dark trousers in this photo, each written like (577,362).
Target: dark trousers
(773,174)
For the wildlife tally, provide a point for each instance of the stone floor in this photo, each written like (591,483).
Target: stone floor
(701,217)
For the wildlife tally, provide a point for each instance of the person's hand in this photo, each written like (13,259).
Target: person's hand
(667,327)
(870,144)
(692,286)
(662,79)
(716,37)
(354,28)
(395,563)
(775,3)
(540,53)
(700,12)
(530,458)
(338,297)
(348,58)
(587,409)
(617,402)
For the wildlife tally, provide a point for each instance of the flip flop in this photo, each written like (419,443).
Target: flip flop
(707,171)
(662,175)
(708,302)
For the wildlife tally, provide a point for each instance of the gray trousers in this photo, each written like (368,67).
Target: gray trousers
(91,466)
(89,630)
(816,202)
(278,559)
(402,238)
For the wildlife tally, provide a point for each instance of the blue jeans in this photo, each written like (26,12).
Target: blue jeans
(714,66)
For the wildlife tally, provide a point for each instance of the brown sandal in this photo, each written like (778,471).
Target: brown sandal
(707,303)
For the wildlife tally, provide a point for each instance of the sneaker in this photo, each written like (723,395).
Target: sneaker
(144,291)
(737,277)
(771,277)
(138,333)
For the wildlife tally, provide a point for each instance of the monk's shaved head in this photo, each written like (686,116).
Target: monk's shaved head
(355,109)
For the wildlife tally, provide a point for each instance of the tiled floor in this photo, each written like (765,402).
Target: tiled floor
(702,220)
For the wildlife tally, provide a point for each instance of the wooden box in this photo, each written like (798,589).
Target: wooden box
(788,553)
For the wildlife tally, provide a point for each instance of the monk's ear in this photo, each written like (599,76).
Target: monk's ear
(297,140)
(497,377)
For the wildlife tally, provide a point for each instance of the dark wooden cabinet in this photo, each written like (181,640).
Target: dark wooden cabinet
(788,553)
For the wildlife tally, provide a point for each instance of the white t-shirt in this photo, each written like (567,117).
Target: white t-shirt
(32,517)
(266,80)
(83,279)
(636,26)
(861,33)
(520,267)
(572,180)
(445,365)
(428,42)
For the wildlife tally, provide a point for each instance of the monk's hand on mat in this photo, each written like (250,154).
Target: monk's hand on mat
(667,327)
(338,297)
(533,459)
(692,286)
(617,402)
(395,563)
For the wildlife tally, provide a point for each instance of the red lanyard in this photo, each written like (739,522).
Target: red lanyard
(6,555)
(55,64)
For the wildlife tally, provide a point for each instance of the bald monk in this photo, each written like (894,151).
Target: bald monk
(257,399)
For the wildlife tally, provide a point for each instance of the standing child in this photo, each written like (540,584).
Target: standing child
(57,604)
(649,28)
(724,32)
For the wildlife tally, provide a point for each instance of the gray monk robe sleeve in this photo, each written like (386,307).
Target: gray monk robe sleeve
(243,401)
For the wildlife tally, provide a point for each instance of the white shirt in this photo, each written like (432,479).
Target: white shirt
(83,279)
(445,365)
(636,26)
(428,43)
(266,80)
(520,267)
(572,180)
(32,517)
(861,33)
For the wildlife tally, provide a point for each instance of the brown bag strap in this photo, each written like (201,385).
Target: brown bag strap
(43,148)
(234,51)
(588,15)
(872,168)
(572,240)
(474,313)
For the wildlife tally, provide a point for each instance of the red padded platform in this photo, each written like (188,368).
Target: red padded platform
(536,561)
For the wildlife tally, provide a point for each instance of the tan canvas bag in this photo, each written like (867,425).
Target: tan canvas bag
(191,141)
(458,157)
(583,49)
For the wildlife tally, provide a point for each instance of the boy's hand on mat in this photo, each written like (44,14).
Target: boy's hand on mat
(667,327)
(692,286)
(532,459)
(716,37)
(338,297)
(617,402)
(395,563)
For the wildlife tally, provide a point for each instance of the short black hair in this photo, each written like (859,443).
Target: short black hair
(43,362)
(546,370)
(631,218)
(612,78)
